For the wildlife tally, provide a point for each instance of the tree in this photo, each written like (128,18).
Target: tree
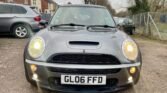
(141,6)
(148,5)
(107,4)
(122,14)
(157,5)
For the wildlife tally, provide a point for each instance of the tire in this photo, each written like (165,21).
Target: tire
(21,30)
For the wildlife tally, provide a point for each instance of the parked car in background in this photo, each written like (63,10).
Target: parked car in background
(18,20)
(126,24)
(35,9)
(129,26)
(45,17)
(119,20)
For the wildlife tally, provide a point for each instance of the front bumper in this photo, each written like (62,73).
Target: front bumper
(50,79)
(35,26)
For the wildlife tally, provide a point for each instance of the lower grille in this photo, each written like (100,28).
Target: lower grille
(91,59)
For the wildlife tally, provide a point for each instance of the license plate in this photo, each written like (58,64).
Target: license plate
(83,79)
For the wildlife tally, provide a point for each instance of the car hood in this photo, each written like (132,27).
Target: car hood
(83,41)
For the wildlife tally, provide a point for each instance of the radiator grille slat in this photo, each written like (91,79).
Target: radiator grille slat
(92,59)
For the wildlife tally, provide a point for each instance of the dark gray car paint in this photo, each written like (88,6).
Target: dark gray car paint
(58,42)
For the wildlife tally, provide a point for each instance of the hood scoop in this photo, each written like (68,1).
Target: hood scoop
(84,43)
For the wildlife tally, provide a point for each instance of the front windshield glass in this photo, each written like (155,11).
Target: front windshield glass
(83,16)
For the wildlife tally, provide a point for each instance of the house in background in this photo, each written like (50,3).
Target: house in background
(43,6)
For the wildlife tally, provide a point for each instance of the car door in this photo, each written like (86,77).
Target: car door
(5,17)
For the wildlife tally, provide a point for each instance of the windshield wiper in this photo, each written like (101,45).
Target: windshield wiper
(69,24)
(104,26)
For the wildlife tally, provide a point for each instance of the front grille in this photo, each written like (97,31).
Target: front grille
(83,71)
(55,82)
(91,59)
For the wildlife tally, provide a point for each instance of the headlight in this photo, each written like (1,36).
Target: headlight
(130,50)
(36,47)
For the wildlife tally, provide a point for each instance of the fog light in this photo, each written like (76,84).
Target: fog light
(130,79)
(33,68)
(35,77)
(132,70)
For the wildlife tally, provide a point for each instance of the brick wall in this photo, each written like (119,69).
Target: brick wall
(2,0)
(44,4)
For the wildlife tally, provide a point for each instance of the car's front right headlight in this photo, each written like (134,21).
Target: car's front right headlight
(130,50)
(36,47)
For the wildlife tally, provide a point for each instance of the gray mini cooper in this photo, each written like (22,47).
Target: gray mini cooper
(82,51)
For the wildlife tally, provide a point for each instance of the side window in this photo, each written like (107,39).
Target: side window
(18,10)
(5,9)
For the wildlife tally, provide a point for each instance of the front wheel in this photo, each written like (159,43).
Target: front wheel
(21,31)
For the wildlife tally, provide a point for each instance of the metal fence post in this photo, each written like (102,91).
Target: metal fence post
(155,27)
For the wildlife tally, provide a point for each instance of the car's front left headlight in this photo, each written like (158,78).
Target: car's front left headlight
(130,50)
(36,47)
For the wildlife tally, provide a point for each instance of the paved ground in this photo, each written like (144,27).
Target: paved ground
(153,79)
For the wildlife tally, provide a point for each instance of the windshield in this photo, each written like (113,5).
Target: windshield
(83,16)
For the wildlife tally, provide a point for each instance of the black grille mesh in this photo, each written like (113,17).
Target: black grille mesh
(91,59)
(84,71)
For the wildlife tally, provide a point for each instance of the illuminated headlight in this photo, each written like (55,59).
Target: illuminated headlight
(130,50)
(36,47)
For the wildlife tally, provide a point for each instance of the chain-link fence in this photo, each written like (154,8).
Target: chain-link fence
(151,24)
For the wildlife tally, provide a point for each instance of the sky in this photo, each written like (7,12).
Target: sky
(121,5)
(118,5)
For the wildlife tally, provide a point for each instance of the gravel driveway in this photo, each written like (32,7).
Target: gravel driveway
(153,76)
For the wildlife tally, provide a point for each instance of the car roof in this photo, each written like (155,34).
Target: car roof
(82,5)
(27,7)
